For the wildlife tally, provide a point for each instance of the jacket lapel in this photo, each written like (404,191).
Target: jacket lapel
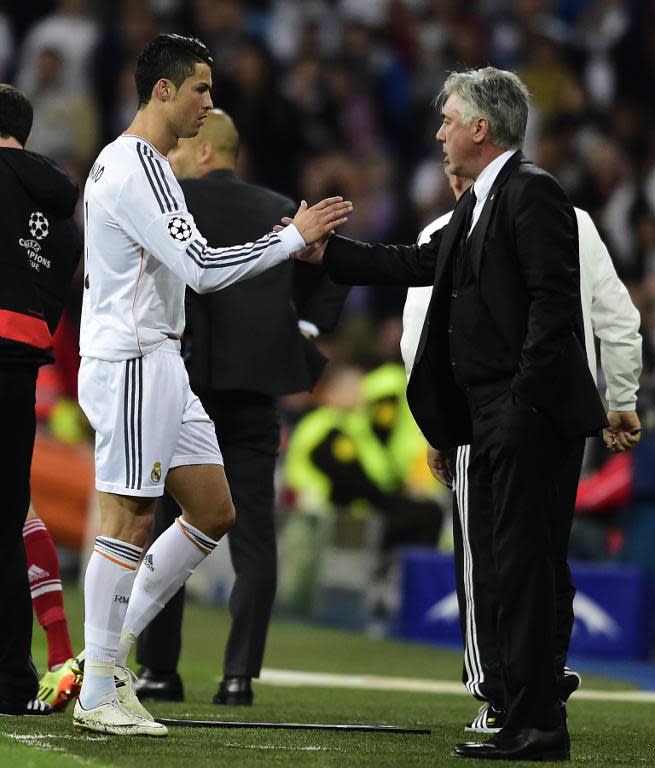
(450,239)
(476,244)
(450,235)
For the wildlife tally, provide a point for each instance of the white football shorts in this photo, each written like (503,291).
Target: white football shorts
(146,419)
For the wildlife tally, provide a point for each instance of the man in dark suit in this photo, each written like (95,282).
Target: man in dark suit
(244,347)
(500,365)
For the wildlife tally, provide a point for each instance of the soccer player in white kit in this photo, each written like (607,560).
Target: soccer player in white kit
(142,248)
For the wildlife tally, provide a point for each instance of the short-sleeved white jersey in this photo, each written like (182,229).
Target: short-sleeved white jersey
(142,248)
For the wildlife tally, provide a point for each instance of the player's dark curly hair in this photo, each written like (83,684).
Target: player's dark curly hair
(15,114)
(171,56)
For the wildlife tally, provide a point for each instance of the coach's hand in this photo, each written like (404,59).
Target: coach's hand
(442,465)
(624,431)
(317,222)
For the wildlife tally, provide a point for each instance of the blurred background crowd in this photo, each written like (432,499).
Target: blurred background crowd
(336,97)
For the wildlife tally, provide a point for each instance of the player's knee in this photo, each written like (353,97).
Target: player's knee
(141,529)
(222,521)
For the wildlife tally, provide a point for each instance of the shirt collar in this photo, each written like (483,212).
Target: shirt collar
(488,175)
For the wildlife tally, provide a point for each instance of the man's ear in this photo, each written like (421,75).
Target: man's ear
(205,151)
(163,90)
(480,130)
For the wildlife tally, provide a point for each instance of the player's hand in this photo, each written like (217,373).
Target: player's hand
(442,465)
(313,254)
(317,222)
(624,431)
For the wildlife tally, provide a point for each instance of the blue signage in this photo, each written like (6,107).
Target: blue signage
(613,610)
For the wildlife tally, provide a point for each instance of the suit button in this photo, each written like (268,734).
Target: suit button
(452,362)
(450,329)
(454,294)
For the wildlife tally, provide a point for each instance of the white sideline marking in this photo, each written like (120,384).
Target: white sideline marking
(293,678)
(43,743)
(282,747)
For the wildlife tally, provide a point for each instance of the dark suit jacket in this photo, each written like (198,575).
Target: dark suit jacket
(246,336)
(524,254)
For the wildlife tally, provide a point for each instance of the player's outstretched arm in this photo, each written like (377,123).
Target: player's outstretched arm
(176,241)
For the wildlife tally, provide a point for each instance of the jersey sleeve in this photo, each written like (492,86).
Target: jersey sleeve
(152,209)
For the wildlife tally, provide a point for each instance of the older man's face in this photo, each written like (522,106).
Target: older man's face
(456,139)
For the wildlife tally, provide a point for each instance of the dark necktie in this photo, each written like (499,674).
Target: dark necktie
(470,205)
(468,217)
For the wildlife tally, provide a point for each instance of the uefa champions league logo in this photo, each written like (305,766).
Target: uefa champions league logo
(179,229)
(39,225)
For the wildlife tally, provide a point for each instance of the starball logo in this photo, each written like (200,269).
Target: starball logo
(588,615)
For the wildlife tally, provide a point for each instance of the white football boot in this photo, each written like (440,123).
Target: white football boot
(116,719)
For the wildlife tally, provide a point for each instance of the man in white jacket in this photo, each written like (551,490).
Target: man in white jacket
(610,316)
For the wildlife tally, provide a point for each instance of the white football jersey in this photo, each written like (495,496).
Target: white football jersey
(142,248)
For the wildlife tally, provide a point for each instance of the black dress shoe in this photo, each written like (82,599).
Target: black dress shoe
(162,686)
(235,692)
(522,744)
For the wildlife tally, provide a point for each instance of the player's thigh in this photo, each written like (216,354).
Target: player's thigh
(196,478)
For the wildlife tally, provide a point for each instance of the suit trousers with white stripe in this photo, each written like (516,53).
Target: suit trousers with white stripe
(510,548)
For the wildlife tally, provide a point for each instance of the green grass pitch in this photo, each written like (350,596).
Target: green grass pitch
(603,733)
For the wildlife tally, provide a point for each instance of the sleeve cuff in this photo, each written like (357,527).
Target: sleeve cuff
(309,328)
(291,239)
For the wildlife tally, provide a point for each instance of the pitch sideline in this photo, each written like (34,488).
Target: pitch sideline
(293,678)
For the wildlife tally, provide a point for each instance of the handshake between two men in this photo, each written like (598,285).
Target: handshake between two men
(316,224)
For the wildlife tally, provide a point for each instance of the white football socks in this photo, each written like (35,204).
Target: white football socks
(108,583)
(166,566)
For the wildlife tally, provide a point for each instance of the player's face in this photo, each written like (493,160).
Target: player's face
(455,137)
(191,102)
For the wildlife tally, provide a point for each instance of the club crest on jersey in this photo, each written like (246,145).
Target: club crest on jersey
(179,229)
(155,474)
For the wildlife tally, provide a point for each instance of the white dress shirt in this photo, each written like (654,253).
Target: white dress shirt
(485,182)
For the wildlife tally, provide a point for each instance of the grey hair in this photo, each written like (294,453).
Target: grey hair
(496,94)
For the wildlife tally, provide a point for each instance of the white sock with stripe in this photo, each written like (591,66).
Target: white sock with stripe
(166,566)
(108,583)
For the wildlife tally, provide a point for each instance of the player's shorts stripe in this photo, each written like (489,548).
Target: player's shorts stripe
(141,152)
(140,424)
(126,395)
(132,425)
